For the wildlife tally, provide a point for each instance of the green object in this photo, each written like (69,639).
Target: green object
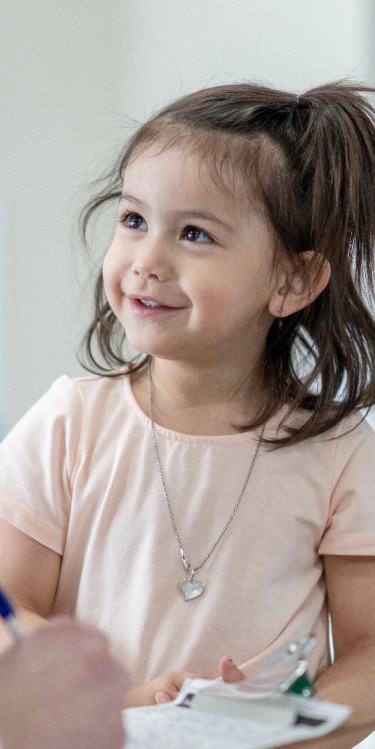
(302,686)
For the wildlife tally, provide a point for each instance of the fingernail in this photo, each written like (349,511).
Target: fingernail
(161,697)
(230,661)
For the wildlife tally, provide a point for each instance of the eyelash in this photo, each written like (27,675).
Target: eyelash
(190,228)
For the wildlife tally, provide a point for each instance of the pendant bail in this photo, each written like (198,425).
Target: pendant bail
(192,573)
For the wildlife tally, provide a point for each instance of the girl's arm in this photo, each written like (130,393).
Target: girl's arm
(29,574)
(351,679)
(351,601)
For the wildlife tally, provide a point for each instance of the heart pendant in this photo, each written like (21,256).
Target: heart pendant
(192,589)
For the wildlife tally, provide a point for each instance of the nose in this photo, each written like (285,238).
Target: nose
(152,259)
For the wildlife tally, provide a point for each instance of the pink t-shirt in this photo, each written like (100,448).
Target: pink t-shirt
(78,474)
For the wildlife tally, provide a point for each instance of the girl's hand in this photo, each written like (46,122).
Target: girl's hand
(164,688)
(229,672)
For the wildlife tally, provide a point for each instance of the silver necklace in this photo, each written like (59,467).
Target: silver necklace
(191,587)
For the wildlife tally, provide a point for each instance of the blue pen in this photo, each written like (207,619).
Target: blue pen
(7,613)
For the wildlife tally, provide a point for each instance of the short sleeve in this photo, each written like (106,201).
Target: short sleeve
(351,525)
(36,463)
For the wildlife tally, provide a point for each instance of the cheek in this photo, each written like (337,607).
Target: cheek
(216,292)
(235,298)
(111,278)
(208,296)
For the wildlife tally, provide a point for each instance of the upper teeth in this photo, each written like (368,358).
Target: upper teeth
(149,303)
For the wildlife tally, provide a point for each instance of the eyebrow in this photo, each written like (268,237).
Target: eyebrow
(191,214)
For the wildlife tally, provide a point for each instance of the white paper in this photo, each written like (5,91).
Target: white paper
(175,727)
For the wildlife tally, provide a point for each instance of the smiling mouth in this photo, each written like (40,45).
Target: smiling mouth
(149,303)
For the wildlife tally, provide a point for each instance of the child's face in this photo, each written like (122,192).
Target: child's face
(190,271)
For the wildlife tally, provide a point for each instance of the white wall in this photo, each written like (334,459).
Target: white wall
(60,88)
(174,46)
(69,72)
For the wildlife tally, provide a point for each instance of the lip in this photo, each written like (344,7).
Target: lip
(147,306)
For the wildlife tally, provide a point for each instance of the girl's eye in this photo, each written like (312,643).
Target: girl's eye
(193,234)
(134,221)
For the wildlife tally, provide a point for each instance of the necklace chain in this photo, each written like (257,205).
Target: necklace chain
(184,558)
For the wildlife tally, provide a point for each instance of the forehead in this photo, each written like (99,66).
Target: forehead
(185,170)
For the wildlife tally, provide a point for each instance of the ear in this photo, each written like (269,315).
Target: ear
(296,289)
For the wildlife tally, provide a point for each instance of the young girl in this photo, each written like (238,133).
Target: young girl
(215,494)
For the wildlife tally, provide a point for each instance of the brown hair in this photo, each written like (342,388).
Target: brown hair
(309,161)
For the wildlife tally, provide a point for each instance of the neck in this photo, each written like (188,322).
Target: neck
(196,401)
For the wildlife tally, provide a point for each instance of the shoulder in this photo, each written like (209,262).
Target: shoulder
(350,443)
(353,431)
(81,392)
(350,431)
(70,405)
(352,436)
(354,449)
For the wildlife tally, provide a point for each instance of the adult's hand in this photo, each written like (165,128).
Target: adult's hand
(61,689)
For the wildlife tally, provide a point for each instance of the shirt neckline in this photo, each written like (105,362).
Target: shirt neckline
(224,440)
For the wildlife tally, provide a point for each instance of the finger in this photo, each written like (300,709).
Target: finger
(229,671)
(162,697)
